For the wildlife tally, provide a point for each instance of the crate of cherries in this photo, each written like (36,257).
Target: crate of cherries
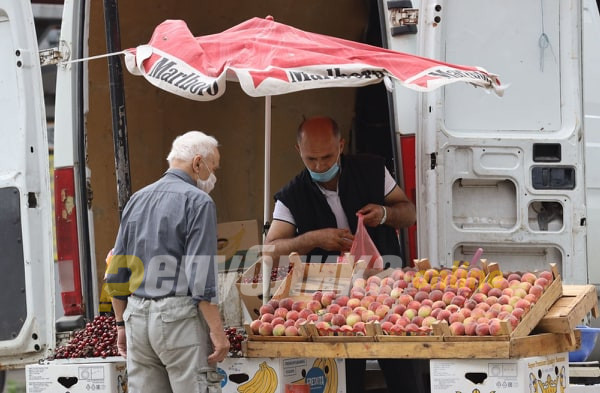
(278,273)
(97,339)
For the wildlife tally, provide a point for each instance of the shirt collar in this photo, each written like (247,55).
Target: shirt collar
(180,174)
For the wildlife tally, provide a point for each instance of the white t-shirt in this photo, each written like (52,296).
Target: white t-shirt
(282,213)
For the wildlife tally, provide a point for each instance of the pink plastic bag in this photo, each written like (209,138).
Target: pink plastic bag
(364,248)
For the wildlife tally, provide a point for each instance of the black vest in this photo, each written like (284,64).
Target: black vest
(361,181)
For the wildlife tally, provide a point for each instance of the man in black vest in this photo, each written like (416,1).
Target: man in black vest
(316,214)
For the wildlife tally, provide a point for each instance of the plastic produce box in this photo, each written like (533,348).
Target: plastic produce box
(77,376)
(532,374)
(270,375)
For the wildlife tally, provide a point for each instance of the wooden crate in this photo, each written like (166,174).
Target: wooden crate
(534,345)
(568,311)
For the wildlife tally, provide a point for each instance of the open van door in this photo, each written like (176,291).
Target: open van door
(504,174)
(27,320)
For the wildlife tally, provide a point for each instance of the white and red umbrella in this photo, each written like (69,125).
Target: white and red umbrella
(269,58)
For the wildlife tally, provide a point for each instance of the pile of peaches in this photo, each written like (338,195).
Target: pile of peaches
(410,302)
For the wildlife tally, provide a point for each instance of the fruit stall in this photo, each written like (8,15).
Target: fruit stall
(464,316)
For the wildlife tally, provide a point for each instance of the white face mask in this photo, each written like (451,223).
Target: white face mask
(208,184)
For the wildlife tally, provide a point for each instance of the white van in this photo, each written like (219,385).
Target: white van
(513,175)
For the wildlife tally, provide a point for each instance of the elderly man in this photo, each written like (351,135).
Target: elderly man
(163,276)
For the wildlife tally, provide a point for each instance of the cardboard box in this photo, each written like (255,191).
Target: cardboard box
(77,376)
(270,375)
(251,293)
(238,244)
(533,374)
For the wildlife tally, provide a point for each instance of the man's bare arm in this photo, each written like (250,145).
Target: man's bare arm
(282,236)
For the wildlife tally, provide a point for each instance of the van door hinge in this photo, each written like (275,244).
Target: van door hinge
(403,17)
(55,55)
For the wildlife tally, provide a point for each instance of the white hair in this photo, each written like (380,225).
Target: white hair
(190,144)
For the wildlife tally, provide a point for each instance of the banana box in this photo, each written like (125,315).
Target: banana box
(270,375)
(539,374)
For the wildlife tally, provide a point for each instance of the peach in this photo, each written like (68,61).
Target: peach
(254,325)
(396,292)
(428,321)
(457,329)
(338,320)
(460,273)
(382,310)
(518,313)
(528,277)
(482,329)
(536,290)
(495,327)
(464,292)
(513,276)
(439,304)
(298,305)
(499,282)
(278,330)
(266,309)
(491,300)
(354,302)
(410,313)
(333,308)
(281,312)
(436,295)
(405,299)
(300,322)
(443,315)
(531,298)
(479,297)
(497,292)
(267,317)
(341,300)
(439,286)
(289,322)
(373,305)
(471,283)
(385,289)
(403,321)
(352,318)
(400,284)
(413,304)
(265,329)
(458,300)
(547,275)
(411,291)
(374,280)
(485,287)
(317,295)
(470,328)
(291,331)
(456,317)
(389,301)
(368,315)
(476,273)
(542,282)
(452,308)
(424,311)
(286,303)
(277,321)
(397,274)
(524,304)
(399,309)
(386,326)
(312,317)
(356,295)
(360,282)
(421,295)
(470,304)
(508,292)
(392,317)
(447,297)
(274,303)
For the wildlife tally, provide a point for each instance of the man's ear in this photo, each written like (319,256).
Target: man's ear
(298,148)
(342,144)
(196,162)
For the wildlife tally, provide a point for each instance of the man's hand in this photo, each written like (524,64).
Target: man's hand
(221,346)
(333,239)
(122,341)
(372,214)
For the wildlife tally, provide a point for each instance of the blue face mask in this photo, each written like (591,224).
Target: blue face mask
(324,177)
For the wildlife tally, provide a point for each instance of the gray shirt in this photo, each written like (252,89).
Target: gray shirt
(167,242)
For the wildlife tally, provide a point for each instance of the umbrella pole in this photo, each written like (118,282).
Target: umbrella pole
(267,263)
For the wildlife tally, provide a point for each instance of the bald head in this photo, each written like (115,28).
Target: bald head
(318,127)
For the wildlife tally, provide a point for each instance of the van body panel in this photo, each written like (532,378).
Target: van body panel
(27,283)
